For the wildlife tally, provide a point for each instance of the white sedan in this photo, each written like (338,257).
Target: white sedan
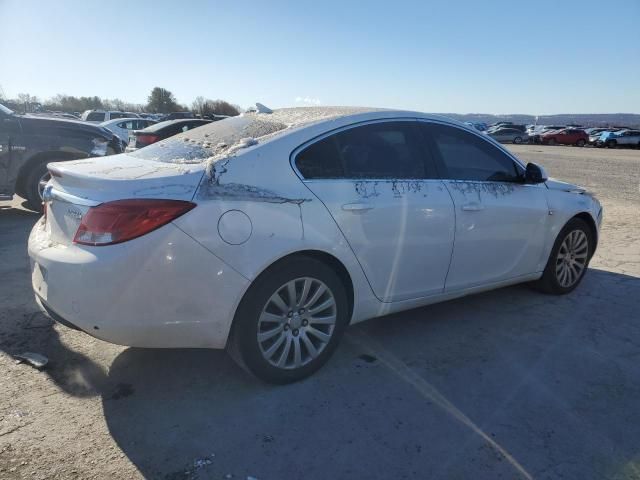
(269,233)
(122,126)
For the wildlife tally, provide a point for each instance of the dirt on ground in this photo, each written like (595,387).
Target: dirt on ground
(506,384)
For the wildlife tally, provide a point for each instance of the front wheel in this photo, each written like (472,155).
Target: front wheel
(290,321)
(580,143)
(517,140)
(569,258)
(551,141)
(612,144)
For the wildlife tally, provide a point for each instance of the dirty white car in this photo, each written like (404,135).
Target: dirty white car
(269,233)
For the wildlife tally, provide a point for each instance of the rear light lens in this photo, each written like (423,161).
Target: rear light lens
(122,220)
(146,139)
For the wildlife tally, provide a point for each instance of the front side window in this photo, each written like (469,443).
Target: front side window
(384,150)
(465,156)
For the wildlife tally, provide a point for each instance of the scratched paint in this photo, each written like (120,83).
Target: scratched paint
(468,188)
(238,191)
(399,188)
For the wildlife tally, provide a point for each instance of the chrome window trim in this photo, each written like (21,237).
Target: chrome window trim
(308,143)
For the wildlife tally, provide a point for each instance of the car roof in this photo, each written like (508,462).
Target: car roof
(300,117)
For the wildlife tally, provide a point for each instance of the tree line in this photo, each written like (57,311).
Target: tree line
(160,100)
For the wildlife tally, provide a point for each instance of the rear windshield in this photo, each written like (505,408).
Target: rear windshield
(195,146)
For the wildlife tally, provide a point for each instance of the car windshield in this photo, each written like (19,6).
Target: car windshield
(195,146)
(5,110)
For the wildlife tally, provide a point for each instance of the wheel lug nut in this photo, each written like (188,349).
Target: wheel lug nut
(286,327)
(295,332)
(290,314)
(305,323)
(301,311)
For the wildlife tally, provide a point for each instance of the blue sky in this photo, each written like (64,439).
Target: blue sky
(538,57)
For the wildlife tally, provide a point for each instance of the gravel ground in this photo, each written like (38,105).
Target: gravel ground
(506,384)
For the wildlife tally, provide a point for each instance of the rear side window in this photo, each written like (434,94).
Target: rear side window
(465,156)
(374,151)
(320,160)
(95,117)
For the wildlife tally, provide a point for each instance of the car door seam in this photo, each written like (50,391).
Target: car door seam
(345,238)
(453,242)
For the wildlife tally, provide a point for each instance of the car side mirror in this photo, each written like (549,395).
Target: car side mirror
(535,174)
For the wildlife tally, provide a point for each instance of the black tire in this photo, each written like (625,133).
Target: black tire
(31,185)
(612,144)
(517,140)
(580,143)
(243,345)
(551,141)
(549,282)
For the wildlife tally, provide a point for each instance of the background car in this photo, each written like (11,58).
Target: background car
(122,126)
(595,134)
(28,143)
(99,116)
(621,138)
(509,135)
(566,136)
(178,115)
(160,131)
(268,234)
(480,126)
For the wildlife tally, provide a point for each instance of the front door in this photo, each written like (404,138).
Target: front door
(378,185)
(500,220)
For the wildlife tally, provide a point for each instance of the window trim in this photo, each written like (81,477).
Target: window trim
(428,144)
(411,120)
(486,138)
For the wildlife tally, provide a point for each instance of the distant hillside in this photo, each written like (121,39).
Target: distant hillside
(584,119)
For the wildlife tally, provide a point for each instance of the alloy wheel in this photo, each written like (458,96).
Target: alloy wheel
(297,323)
(572,258)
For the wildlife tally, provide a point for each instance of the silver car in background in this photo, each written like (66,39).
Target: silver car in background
(509,135)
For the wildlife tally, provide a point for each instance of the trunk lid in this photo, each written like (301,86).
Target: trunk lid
(78,185)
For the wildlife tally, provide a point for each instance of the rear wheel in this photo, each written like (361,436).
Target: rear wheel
(612,144)
(580,143)
(290,321)
(552,141)
(517,140)
(569,259)
(34,185)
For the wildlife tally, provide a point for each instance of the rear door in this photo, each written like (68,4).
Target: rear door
(377,182)
(500,221)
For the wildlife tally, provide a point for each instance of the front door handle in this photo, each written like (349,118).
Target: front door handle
(472,207)
(357,207)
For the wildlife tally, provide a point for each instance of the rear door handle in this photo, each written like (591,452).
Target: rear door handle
(472,207)
(357,207)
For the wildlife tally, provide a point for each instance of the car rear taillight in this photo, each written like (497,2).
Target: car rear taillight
(123,220)
(146,139)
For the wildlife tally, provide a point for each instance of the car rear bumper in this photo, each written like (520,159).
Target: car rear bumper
(160,290)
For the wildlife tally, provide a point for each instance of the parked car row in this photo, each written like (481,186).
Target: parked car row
(610,137)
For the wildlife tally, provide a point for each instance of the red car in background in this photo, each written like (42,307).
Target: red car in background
(566,136)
